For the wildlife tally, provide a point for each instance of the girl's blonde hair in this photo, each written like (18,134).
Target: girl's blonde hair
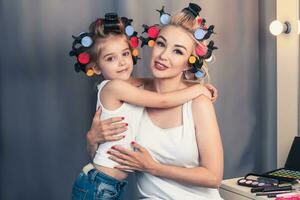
(97,30)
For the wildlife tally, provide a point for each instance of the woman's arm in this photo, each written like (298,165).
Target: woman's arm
(123,91)
(209,174)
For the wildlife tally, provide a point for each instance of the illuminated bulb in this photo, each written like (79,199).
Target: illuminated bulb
(276,27)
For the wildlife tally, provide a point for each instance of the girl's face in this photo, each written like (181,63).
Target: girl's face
(171,52)
(115,60)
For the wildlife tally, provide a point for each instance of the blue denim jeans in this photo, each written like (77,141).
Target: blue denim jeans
(96,185)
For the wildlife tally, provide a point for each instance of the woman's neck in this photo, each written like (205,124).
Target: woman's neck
(168,85)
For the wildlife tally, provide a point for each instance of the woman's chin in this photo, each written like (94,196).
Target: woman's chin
(158,75)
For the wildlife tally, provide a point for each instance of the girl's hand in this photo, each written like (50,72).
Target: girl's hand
(213,91)
(206,92)
(139,159)
(104,131)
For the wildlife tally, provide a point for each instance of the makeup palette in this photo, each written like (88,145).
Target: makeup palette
(285,173)
(252,183)
(291,171)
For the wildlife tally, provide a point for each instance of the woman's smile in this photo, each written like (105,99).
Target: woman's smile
(160,66)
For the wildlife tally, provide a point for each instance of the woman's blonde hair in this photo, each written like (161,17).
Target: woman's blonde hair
(188,22)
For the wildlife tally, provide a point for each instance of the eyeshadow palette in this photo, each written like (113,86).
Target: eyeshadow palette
(253,183)
(285,173)
(291,171)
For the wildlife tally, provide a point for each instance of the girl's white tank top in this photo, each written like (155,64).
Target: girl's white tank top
(132,115)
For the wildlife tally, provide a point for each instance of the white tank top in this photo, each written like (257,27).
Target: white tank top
(132,114)
(174,146)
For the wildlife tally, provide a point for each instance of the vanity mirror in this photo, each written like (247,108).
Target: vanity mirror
(287,78)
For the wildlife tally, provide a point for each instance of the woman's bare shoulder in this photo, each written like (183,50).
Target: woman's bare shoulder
(202,106)
(202,100)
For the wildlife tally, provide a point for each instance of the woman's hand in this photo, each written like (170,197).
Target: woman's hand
(139,159)
(213,91)
(102,131)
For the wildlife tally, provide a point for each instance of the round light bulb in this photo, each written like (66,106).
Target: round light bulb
(276,27)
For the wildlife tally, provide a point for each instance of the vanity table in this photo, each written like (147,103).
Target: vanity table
(230,190)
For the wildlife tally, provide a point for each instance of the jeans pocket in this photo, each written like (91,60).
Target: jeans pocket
(78,193)
(107,192)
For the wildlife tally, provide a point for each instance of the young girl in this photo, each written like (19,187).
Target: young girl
(108,52)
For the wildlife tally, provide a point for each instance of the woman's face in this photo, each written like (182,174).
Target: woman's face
(171,52)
